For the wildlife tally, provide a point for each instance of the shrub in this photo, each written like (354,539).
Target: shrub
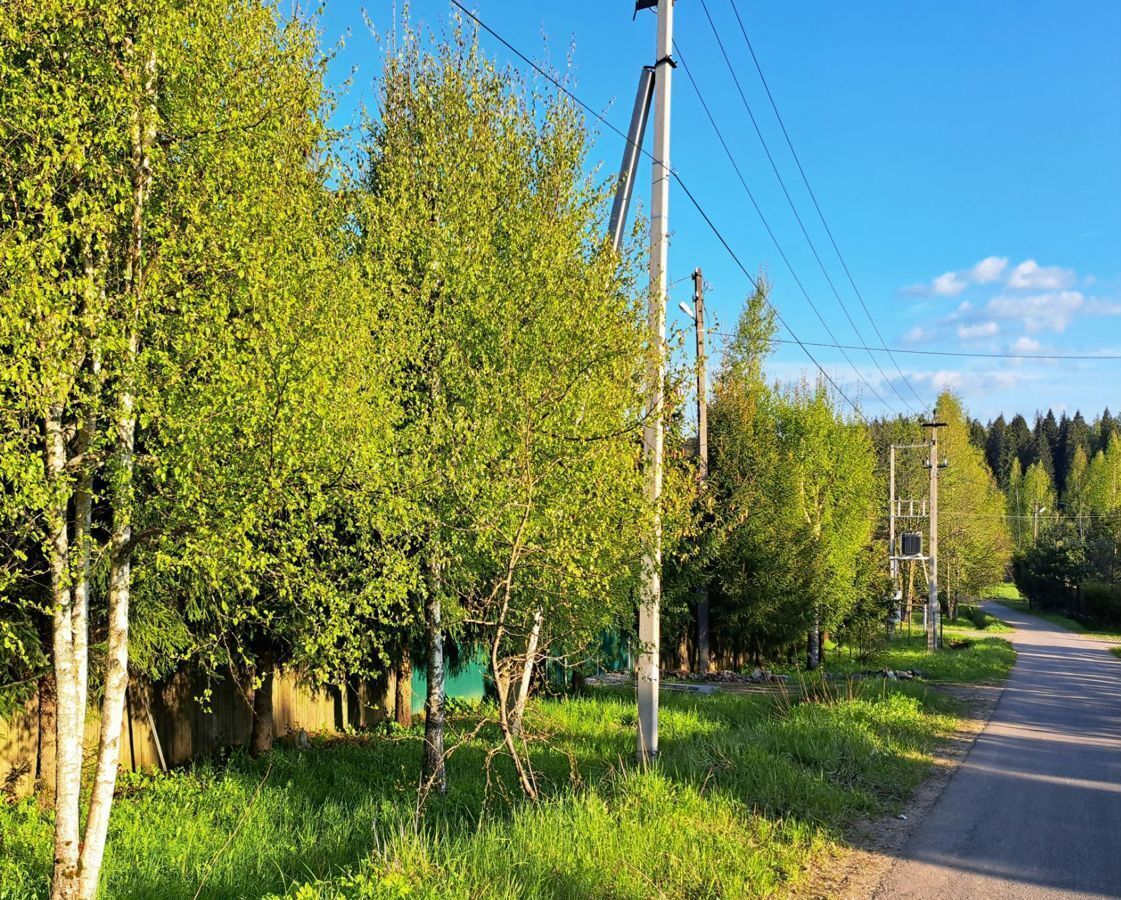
(1102,602)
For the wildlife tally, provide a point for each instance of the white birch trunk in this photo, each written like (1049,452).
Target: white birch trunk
(116,668)
(121,496)
(527,672)
(69,715)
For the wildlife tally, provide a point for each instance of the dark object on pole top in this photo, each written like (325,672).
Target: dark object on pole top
(644,4)
(912,543)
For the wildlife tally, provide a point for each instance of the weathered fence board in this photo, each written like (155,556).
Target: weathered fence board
(185,724)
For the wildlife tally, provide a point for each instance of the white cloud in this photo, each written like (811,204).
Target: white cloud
(1027,276)
(948,285)
(915,335)
(981,329)
(1051,311)
(1031,276)
(946,379)
(1025,344)
(989,269)
(1096,307)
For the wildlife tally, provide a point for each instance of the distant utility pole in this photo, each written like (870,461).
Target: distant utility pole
(896,584)
(649,612)
(932,635)
(911,550)
(697,314)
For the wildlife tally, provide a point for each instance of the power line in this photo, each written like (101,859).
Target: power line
(766,225)
(1037,356)
(681,183)
(813,197)
(789,199)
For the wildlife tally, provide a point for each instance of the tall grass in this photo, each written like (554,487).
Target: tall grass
(747,789)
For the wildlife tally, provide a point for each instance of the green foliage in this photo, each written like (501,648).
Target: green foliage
(1103,602)
(1049,571)
(974,546)
(794,495)
(523,349)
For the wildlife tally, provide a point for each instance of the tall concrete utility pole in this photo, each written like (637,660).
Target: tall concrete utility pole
(932,616)
(896,591)
(697,314)
(649,612)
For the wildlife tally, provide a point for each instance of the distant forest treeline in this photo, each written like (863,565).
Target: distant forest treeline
(1052,442)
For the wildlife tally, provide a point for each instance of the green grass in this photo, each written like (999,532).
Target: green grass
(1063,621)
(975,617)
(1005,591)
(968,654)
(747,789)
(1116,651)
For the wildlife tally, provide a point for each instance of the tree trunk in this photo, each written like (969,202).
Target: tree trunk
(435,774)
(69,719)
(116,662)
(813,647)
(822,637)
(403,690)
(48,718)
(681,663)
(344,705)
(518,715)
(260,740)
(704,661)
(142,134)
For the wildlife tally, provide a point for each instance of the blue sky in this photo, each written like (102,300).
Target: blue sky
(967,157)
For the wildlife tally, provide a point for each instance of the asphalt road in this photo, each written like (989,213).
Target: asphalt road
(1034,811)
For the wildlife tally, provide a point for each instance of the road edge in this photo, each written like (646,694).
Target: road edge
(871,847)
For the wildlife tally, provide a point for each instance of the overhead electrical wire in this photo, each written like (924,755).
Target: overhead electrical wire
(790,200)
(1088,357)
(766,225)
(817,206)
(681,183)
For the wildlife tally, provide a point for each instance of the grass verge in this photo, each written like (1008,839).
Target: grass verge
(747,790)
(1062,621)
(969,655)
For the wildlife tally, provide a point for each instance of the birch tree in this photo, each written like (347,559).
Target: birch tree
(521,385)
(148,146)
(974,546)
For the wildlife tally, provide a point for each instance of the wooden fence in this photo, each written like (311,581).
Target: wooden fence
(170,723)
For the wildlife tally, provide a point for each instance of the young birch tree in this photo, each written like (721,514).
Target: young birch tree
(521,389)
(149,147)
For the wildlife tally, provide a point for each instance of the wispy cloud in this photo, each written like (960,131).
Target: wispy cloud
(1025,344)
(978,330)
(1031,276)
(1051,311)
(990,269)
(1027,276)
(948,285)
